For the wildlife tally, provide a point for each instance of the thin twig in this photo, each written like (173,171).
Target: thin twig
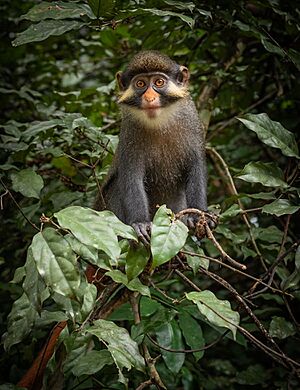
(17,204)
(233,191)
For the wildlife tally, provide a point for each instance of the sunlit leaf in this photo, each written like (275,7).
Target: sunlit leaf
(167,236)
(46,28)
(216,311)
(56,262)
(58,10)
(33,284)
(268,174)
(280,207)
(123,349)
(91,228)
(28,182)
(272,133)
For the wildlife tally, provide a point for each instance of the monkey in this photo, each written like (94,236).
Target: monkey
(160,158)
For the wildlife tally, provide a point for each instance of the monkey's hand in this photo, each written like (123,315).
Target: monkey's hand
(212,220)
(196,223)
(143,231)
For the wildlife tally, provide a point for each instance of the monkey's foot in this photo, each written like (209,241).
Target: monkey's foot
(143,231)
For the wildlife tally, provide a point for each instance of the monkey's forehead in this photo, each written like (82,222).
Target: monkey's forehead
(150,61)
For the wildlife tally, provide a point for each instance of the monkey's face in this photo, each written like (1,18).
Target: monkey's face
(151,95)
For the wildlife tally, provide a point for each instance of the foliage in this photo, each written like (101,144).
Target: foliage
(204,322)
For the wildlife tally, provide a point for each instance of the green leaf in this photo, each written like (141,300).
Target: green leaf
(181,5)
(232,211)
(192,333)
(28,182)
(117,276)
(20,321)
(169,336)
(167,236)
(272,133)
(268,174)
(123,349)
(280,207)
(161,317)
(134,285)
(281,328)
(58,10)
(56,262)
(271,47)
(92,362)
(38,127)
(84,251)
(33,284)
(136,260)
(187,19)
(137,285)
(217,312)
(91,228)
(102,8)
(269,234)
(253,375)
(263,195)
(195,261)
(45,29)
(120,228)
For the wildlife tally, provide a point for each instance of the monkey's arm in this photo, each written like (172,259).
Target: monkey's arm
(134,199)
(196,184)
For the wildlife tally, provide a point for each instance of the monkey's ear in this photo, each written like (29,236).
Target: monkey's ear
(184,75)
(119,80)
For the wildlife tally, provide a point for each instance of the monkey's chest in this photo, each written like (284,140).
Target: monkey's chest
(164,169)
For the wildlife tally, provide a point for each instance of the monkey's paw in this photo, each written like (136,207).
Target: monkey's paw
(143,231)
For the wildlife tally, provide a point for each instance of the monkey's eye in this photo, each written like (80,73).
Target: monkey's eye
(159,82)
(140,83)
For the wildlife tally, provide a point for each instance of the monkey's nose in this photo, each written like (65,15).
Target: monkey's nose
(149,99)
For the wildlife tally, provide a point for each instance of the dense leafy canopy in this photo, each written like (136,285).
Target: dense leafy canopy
(206,323)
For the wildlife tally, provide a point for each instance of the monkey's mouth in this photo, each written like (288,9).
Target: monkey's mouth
(152,111)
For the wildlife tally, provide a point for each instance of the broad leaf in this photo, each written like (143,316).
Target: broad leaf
(102,8)
(91,228)
(28,182)
(136,260)
(192,333)
(195,261)
(58,10)
(56,262)
(120,228)
(169,336)
(123,349)
(33,284)
(134,285)
(45,29)
(268,174)
(281,328)
(92,362)
(272,133)
(216,311)
(20,321)
(280,207)
(187,19)
(167,236)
